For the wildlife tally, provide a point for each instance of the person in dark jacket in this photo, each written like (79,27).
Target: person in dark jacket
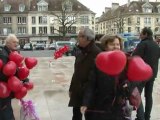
(149,50)
(104,99)
(83,64)
(11,43)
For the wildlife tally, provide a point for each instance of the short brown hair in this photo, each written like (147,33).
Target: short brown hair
(106,39)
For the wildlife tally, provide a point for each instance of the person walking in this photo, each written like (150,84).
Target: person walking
(83,65)
(149,51)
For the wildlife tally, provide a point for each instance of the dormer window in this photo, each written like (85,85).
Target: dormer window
(67,6)
(147,10)
(158,7)
(7,8)
(42,5)
(21,7)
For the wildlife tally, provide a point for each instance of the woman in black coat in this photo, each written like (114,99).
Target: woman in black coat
(104,98)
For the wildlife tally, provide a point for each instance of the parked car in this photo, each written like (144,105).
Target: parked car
(70,44)
(52,46)
(27,46)
(40,46)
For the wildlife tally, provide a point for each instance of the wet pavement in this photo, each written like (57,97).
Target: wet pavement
(50,94)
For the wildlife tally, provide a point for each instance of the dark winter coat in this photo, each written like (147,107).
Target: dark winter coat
(83,64)
(150,53)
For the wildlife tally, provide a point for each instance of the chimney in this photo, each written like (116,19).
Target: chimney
(107,9)
(128,3)
(115,5)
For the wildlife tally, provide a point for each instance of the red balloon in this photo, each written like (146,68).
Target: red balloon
(66,48)
(30,62)
(23,73)
(57,54)
(4,90)
(21,93)
(14,84)
(16,57)
(29,85)
(138,70)
(9,69)
(112,62)
(1,64)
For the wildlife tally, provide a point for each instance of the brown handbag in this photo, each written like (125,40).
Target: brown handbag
(135,98)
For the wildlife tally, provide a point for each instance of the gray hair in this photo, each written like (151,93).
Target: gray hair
(10,38)
(89,34)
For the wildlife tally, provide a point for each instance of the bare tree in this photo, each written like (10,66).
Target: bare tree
(66,19)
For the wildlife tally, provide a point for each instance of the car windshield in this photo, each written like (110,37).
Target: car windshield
(62,44)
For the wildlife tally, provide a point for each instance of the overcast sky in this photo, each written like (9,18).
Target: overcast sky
(98,6)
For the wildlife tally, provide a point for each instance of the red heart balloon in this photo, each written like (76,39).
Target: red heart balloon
(30,62)
(14,84)
(23,73)
(29,85)
(16,57)
(112,62)
(57,54)
(138,70)
(4,90)
(1,64)
(21,93)
(9,69)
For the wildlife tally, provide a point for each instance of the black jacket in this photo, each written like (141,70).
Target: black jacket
(83,64)
(150,53)
(4,53)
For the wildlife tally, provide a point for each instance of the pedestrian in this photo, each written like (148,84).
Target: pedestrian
(149,51)
(105,98)
(11,43)
(83,64)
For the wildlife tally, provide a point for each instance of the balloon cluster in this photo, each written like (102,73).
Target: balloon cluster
(16,72)
(114,62)
(59,53)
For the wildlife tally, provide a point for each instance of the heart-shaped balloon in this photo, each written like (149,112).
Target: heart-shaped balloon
(23,73)
(16,57)
(21,93)
(30,62)
(1,64)
(4,90)
(29,85)
(138,70)
(14,84)
(112,62)
(57,54)
(9,69)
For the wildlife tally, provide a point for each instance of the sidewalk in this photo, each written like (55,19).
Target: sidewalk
(50,94)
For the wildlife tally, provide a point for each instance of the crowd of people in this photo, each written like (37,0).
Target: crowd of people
(93,93)
(98,95)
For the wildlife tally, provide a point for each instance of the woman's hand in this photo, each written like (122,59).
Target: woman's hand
(83,109)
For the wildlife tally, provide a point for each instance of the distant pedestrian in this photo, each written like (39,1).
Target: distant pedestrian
(149,51)
(83,64)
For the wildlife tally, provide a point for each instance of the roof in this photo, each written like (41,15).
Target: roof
(133,8)
(31,5)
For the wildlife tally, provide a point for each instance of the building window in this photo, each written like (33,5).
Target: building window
(33,20)
(7,20)
(138,20)
(22,30)
(21,7)
(42,19)
(147,10)
(84,20)
(158,9)
(7,7)
(129,29)
(42,8)
(147,21)
(7,31)
(72,30)
(42,30)
(129,21)
(22,20)
(33,30)
(52,30)
(138,29)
